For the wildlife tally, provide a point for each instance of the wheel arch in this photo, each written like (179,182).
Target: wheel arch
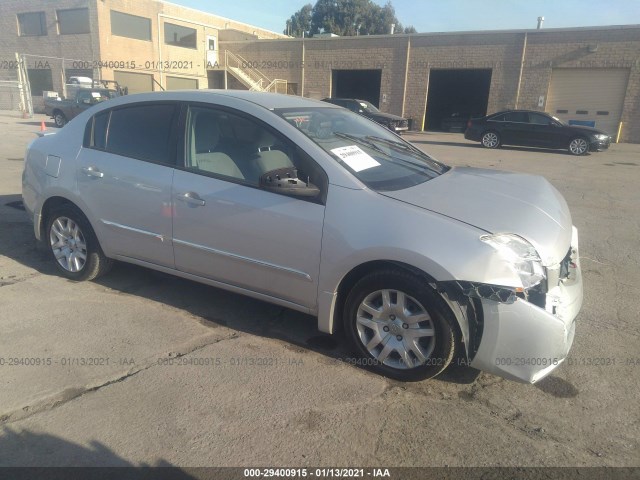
(49,205)
(466,311)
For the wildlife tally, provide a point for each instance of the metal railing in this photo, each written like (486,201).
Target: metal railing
(253,78)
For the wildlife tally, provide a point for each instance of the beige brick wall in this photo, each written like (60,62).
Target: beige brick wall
(499,51)
(86,50)
(72,47)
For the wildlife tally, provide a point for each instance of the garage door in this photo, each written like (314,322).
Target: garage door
(588,96)
(179,83)
(135,82)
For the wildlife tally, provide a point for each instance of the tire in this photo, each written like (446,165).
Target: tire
(421,344)
(490,139)
(69,237)
(578,146)
(59,119)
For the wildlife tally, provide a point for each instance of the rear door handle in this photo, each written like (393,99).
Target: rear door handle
(192,198)
(92,172)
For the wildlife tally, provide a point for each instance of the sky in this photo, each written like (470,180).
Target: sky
(446,15)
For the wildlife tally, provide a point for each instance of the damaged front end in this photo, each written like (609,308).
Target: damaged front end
(524,333)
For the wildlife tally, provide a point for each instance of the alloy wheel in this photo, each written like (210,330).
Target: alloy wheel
(578,146)
(490,140)
(68,244)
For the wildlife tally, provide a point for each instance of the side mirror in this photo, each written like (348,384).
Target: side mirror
(286,182)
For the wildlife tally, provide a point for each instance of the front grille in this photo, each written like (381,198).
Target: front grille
(403,123)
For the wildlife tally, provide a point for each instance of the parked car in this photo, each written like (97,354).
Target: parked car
(367,109)
(315,208)
(63,110)
(456,121)
(535,129)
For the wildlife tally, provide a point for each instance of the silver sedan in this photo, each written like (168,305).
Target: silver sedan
(312,207)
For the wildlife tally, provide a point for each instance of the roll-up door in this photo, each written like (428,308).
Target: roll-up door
(588,96)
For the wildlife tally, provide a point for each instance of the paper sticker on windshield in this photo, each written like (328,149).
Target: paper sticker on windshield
(355,158)
(95,94)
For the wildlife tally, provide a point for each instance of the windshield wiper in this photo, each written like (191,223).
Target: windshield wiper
(409,149)
(362,140)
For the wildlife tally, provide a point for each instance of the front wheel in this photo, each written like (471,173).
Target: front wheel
(578,146)
(491,140)
(74,246)
(59,119)
(400,326)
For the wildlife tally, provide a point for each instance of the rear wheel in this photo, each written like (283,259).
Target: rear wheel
(59,119)
(74,246)
(400,326)
(578,146)
(490,140)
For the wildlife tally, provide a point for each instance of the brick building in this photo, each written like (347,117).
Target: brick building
(589,75)
(143,44)
(586,75)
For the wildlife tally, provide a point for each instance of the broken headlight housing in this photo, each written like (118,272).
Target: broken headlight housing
(521,256)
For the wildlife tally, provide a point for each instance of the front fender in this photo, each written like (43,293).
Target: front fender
(363,226)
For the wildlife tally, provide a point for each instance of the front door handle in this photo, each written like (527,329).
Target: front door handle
(191,198)
(93,172)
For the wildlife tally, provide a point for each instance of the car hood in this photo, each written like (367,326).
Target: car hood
(585,129)
(382,116)
(499,202)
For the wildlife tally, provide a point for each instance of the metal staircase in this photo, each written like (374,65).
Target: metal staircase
(250,77)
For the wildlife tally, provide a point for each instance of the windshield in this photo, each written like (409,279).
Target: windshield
(367,107)
(377,157)
(558,120)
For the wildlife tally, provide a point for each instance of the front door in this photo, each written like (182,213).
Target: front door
(226,227)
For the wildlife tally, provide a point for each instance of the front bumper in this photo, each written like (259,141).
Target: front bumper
(524,342)
(599,145)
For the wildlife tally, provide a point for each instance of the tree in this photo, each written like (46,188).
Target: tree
(300,22)
(345,18)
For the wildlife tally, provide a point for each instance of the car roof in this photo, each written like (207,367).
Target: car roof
(511,111)
(349,99)
(269,101)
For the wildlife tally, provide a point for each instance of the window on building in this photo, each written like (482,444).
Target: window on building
(178,83)
(33,24)
(130,26)
(40,79)
(180,36)
(73,21)
(142,132)
(134,82)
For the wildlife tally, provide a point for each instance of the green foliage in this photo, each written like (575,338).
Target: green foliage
(345,18)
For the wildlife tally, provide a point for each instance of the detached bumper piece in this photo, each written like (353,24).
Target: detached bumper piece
(525,339)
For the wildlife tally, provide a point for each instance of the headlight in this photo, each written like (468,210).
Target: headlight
(521,255)
(601,136)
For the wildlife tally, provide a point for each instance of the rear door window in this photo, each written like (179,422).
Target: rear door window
(143,132)
(539,119)
(520,117)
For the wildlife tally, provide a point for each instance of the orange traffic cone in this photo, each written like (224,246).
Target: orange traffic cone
(43,127)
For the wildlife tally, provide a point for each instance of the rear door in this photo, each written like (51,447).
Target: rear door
(515,129)
(125,175)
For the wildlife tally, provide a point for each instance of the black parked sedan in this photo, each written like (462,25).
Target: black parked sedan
(535,129)
(392,122)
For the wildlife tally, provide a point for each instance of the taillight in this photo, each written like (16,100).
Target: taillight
(469,123)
